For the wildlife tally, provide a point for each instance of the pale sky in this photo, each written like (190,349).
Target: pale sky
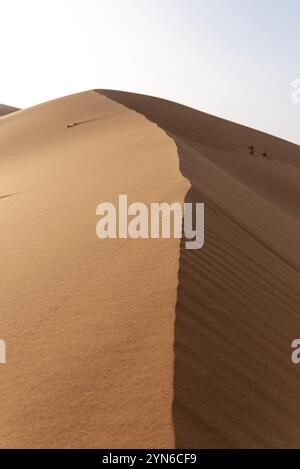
(231,58)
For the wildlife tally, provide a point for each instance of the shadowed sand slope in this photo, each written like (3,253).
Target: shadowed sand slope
(238,301)
(141,343)
(6,109)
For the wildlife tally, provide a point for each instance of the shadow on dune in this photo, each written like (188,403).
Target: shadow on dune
(237,310)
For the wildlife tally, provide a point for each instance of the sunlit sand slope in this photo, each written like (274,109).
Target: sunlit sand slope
(88,323)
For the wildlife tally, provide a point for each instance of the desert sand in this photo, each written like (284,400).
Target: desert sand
(4,109)
(141,343)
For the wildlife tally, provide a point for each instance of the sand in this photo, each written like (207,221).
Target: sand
(141,343)
(6,109)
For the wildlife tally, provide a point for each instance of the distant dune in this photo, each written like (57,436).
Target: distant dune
(142,343)
(6,109)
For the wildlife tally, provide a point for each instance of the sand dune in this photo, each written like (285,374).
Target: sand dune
(141,343)
(238,298)
(6,109)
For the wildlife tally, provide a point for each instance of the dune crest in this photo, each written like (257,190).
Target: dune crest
(238,298)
